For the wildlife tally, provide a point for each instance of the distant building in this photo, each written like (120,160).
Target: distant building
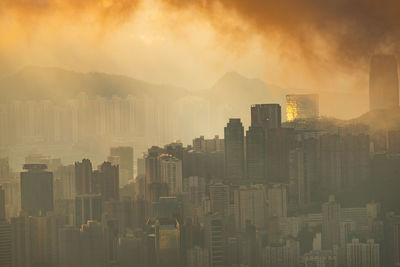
(363,254)
(255,153)
(83,177)
(106,180)
(167,239)
(302,106)
(36,190)
(171,173)
(383,82)
(267,116)
(250,205)
(198,257)
(219,197)
(88,207)
(392,240)
(93,245)
(5,238)
(330,162)
(124,154)
(285,254)
(234,150)
(277,200)
(331,217)
(215,240)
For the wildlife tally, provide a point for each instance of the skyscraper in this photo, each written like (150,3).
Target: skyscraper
(301,106)
(219,197)
(5,235)
(83,177)
(392,240)
(255,153)
(234,150)
(125,159)
(331,216)
(36,190)
(266,115)
(383,82)
(171,173)
(87,207)
(106,181)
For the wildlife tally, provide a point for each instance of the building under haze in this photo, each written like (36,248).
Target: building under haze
(383,82)
(302,106)
(36,190)
(234,150)
(266,115)
(124,157)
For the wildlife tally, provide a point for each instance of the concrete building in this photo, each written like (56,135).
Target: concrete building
(234,150)
(266,116)
(36,190)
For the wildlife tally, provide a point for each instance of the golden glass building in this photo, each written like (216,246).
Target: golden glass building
(302,106)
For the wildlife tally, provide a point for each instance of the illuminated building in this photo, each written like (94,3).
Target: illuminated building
(234,150)
(267,116)
(383,82)
(36,190)
(302,106)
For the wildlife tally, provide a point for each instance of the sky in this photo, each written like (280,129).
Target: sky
(304,46)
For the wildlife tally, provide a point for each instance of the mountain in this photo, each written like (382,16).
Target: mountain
(37,83)
(234,88)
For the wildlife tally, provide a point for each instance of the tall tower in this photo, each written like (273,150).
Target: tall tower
(266,115)
(83,177)
(255,153)
(36,190)
(234,150)
(383,82)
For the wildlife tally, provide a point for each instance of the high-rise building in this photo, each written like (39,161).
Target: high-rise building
(106,181)
(363,254)
(69,247)
(125,160)
(2,204)
(36,190)
(267,116)
(234,150)
(392,240)
(285,254)
(83,177)
(302,106)
(88,207)
(215,240)
(198,257)
(330,156)
(250,204)
(5,244)
(331,217)
(167,234)
(279,143)
(219,198)
(277,199)
(255,153)
(93,245)
(171,173)
(21,240)
(354,160)
(383,82)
